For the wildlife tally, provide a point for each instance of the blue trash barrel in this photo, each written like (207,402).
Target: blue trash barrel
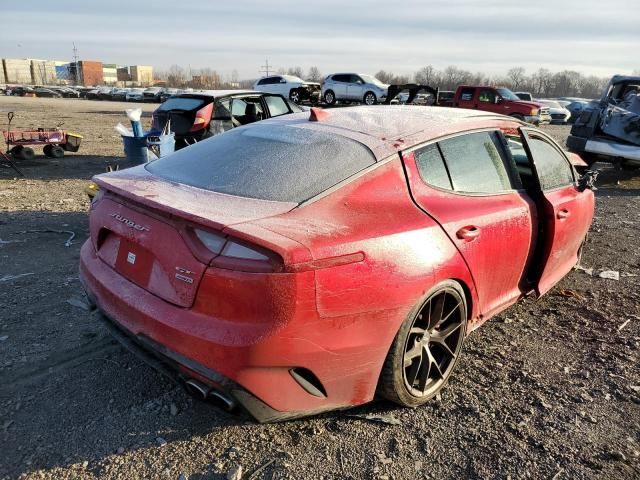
(135,150)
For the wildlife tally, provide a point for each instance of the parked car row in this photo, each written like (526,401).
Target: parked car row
(132,94)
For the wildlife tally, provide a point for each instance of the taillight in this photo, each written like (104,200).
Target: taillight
(234,254)
(202,118)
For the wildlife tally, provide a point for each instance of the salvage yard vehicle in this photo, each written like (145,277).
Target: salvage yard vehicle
(46,92)
(152,94)
(500,100)
(559,114)
(300,264)
(609,130)
(196,116)
(291,87)
(353,87)
(134,95)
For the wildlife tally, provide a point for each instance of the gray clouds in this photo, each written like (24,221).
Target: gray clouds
(486,35)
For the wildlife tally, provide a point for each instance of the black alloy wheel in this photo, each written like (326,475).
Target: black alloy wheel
(426,348)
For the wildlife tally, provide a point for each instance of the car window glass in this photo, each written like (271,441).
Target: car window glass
(266,161)
(466,95)
(277,106)
(341,78)
(239,106)
(356,79)
(475,163)
(552,167)
(431,167)
(487,96)
(263,81)
(275,79)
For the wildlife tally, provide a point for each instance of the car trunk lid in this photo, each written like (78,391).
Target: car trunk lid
(141,229)
(180,111)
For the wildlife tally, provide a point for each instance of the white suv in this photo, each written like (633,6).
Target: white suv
(293,88)
(354,87)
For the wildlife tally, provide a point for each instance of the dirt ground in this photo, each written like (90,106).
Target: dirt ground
(550,389)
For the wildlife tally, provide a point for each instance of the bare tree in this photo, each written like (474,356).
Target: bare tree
(426,75)
(314,75)
(296,72)
(516,77)
(176,76)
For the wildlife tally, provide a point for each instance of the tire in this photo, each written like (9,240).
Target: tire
(369,98)
(518,116)
(57,151)
(418,339)
(329,97)
(27,153)
(47,150)
(294,95)
(16,151)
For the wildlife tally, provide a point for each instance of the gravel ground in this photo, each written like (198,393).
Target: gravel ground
(550,389)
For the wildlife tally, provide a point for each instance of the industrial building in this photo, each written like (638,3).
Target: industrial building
(27,71)
(17,70)
(43,72)
(109,73)
(141,74)
(87,72)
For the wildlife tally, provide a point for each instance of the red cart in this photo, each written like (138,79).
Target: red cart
(54,141)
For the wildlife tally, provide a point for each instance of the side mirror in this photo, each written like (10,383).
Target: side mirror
(282,80)
(498,99)
(588,180)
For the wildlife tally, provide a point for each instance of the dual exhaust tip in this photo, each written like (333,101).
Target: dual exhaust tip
(204,392)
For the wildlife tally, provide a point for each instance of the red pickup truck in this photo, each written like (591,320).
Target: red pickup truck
(500,100)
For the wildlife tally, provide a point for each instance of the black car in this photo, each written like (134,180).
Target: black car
(46,92)
(21,91)
(196,116)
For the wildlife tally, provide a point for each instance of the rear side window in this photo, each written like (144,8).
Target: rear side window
(475,163)
(553,168)
(466,95)
(341,78)
(277,105)
(181,103)
(266,161)
(431,167)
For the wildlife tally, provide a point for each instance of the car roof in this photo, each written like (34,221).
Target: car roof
(387,129)
(220,93)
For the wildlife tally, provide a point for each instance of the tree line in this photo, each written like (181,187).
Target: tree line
(542,83)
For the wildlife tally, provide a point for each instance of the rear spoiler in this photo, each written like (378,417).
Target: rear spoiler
(414,89)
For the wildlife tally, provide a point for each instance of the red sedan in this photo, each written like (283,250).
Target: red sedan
(308,262)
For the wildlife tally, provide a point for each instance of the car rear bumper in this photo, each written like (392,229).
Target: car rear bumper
(252,363)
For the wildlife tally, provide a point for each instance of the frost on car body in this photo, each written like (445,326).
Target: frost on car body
(294,266)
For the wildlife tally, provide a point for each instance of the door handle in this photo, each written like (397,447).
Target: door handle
(562,214)
(468,233)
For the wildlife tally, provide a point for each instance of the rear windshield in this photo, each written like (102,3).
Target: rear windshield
(266,161)
(181,103)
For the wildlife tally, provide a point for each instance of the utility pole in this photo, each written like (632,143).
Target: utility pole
(266,68)
(76,63)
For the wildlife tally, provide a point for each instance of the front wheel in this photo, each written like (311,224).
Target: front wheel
(518,116)
(426,348)
(294,95)
(370,98)
(329,97)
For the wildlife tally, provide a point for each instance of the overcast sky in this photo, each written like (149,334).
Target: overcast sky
(591,36)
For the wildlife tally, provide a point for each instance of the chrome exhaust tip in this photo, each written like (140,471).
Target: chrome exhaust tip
(197,389)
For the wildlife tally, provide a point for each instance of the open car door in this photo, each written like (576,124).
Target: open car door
(565,206)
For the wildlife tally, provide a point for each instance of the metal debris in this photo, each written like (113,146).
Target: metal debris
(69,241)
(610,274)
(388,419)
(257,471)
(78,302)
(7,278)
